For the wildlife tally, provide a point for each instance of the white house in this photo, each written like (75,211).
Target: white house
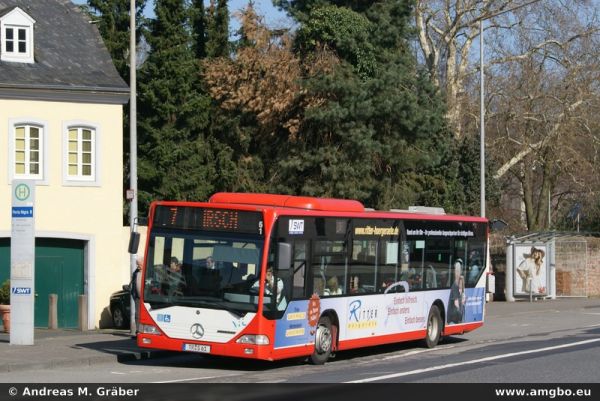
(61,124)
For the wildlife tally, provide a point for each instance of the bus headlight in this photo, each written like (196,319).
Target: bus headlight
(149,329)
(257,339)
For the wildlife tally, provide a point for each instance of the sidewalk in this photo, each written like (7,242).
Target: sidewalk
(71,348)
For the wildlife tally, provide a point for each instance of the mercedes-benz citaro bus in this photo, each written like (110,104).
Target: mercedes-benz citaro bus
(275,276)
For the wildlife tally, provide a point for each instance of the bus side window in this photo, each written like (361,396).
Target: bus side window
(415,280)
(362,267)
(438,254)
(431,277)
(319,267)
(387,271)
(299,273)
(318,286)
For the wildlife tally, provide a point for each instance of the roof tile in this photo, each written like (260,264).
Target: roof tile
(69,51)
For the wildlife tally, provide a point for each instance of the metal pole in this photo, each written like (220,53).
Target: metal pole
(133,207)
(549,210)
(481,123)
(552,270)
(510,263)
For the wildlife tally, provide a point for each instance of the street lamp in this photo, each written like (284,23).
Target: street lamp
(133,206)
(481,124)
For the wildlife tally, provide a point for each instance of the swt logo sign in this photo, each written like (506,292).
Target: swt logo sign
(21,290)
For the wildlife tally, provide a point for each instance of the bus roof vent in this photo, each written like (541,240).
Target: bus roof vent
(298,202)
(420,209)
(426,209)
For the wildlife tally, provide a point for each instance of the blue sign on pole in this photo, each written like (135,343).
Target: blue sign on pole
(22,211)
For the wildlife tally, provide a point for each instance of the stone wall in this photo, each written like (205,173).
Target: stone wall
(593,267)
(571,263)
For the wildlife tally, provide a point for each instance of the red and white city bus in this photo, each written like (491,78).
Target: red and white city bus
(276,276)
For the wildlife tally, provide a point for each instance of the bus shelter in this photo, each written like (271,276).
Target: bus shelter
(531,267)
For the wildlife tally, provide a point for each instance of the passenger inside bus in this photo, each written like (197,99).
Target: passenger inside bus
(386,284)
(474,267)
(413,278)
(174,284)
(333,287)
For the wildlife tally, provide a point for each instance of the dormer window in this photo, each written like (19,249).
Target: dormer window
(16,36)
(20,39)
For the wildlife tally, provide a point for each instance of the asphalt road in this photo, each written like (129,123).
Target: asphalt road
(546,343)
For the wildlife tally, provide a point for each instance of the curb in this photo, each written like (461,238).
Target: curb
(85,361)
(144,355)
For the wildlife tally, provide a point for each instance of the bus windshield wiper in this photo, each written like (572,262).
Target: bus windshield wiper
(210,302)
(231,310)
(158,304)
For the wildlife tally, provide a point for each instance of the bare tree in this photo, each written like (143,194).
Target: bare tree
(541,91)
(543,108)
(446,32)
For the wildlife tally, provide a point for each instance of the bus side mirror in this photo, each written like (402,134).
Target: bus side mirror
(134,242)
(284,256)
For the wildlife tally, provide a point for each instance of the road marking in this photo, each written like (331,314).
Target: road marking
(192,379)
(126,373)
(415,352)
(490,358)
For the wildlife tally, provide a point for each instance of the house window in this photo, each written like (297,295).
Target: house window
(81,159)
(16,40)
(16,36)
(28,152)
(10,40)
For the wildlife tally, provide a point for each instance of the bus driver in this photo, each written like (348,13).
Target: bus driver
(270,288)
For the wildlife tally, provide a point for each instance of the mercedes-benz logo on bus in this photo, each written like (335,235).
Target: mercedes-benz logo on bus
(197,330)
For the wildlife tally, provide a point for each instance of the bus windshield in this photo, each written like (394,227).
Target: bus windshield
(203,270)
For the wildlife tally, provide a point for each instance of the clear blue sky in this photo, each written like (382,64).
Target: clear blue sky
(273,17)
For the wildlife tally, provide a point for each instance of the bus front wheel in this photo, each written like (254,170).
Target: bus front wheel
(434,327)
(323,342)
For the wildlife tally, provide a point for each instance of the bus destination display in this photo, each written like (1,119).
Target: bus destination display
(195,218)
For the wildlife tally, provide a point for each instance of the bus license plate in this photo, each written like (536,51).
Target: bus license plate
(205,349)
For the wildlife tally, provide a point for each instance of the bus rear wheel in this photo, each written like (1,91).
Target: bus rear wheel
(323,342)
(434,327)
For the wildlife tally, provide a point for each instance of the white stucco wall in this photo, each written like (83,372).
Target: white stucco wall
(89,212)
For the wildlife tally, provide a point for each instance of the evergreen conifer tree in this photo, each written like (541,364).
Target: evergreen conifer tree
(380,136)
(198,17)
(176,160)
(409,155)
(217,44)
